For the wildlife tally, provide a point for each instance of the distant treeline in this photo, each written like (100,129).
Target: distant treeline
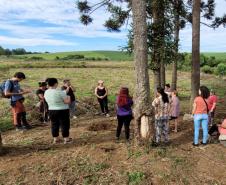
(209,65)
(17,51)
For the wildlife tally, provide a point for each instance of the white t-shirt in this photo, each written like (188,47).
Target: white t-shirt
(55,99)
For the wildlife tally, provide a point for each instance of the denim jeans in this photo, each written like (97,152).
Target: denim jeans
(72,109)
(203,120)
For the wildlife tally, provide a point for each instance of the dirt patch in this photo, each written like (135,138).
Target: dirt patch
(100,126)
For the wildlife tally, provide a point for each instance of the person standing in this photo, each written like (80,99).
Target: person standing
(162,108)
(200,113)
(43,106)
(101,93)
(212,103)
(124,103)
(175,109)
(70,92)
(58,103)
(13,90)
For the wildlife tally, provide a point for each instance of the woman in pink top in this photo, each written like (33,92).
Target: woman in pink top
(175,109)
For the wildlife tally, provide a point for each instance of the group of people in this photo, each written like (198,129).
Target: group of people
(58,106)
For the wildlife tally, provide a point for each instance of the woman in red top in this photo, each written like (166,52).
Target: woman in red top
(212,102)
(200,112)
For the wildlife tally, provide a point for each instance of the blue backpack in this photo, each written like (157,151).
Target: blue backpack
(2,89)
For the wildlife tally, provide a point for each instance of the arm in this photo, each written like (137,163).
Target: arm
(106,92)
(67,100)
(41,97)
(194,108)
(72,88)
(213,107)
(96,93)
(8,87)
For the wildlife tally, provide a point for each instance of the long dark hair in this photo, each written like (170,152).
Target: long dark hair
(161,91)
(123,97)
(205,92)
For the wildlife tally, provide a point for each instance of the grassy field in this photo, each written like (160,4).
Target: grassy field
(84,76)
(110,55)
(93,158)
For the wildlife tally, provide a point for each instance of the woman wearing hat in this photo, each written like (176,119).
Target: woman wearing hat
(101,93)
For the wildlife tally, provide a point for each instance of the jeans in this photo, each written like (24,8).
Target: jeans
(72,109)
(203,120)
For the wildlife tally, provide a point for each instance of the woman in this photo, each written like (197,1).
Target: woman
(43,106)
(70,92)
(101,93)
(200,113)
(175,109)
(162,108)
(124,103)
(58,103)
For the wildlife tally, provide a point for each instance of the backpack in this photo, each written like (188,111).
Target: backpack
(2,89)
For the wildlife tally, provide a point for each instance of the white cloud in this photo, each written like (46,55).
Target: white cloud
(61,14)
(34,42)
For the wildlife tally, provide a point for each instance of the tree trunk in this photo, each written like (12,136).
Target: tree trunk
(176,40)
(162,74)
(142,108)
(0,143)
(195,72)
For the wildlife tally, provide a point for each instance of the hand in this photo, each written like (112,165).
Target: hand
(26,91)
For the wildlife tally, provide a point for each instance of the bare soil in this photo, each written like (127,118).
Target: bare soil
(30,158)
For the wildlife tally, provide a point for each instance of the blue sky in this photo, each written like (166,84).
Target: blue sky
(53,25)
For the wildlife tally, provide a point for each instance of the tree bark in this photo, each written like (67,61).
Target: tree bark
(195,73)
(0,143)
(176,40)
(142,108)
(162,74)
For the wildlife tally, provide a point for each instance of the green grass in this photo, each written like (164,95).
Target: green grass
(111,55)
(217,55)
(84,79)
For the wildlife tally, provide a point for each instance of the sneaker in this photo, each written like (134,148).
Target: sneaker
(195,144)
(19,128)
(68,140)
(56,141)
(107,115)
(26,127)
(154,144)
(203,143)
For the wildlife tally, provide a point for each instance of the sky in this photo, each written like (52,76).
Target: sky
(54,26)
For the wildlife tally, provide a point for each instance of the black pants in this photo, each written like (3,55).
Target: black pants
(21,118)
(123,120)
(60,119)
(43,109)
(213,129)
(103,105)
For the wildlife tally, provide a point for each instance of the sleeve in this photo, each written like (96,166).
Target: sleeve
(63,94)
(8,86)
